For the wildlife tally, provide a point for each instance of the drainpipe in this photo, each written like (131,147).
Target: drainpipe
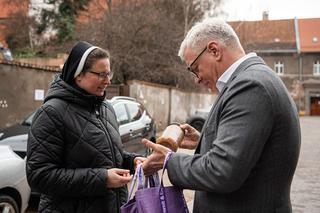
(296,28)
(170,107)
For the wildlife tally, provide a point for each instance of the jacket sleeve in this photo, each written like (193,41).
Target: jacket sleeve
(128,160)
(245,124)
(45,166)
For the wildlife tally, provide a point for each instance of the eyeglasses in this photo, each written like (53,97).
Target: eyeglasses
(189,68)
(103,75)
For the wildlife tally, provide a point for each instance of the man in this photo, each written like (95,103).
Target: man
(248,150)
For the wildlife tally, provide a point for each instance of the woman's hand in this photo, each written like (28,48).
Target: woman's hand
(191,137)
(138,160)
(118,177)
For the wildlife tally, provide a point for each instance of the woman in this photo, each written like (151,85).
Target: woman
(74,155)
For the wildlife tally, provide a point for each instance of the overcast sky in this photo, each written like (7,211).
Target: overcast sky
(278,9)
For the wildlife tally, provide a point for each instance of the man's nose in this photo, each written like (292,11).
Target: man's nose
(107,80)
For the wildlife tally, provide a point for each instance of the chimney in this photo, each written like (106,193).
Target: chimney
(265,16)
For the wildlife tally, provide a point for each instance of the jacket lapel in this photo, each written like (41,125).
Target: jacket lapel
(243,66)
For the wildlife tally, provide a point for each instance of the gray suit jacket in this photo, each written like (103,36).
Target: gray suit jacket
(248,149)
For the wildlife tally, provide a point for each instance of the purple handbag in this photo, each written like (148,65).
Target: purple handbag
(153,197)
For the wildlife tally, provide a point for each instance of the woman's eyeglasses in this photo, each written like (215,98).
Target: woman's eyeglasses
(103,75)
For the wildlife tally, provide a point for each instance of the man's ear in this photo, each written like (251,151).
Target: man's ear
(215,49)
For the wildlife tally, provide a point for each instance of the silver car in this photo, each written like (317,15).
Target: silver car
(198,119)
(14,189)
(134,121)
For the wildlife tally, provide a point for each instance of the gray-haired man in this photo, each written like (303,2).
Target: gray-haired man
(248,150)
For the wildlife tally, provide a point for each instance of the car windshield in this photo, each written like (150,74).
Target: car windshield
(28,120)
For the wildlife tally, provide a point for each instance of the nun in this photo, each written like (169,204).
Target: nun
(75,158)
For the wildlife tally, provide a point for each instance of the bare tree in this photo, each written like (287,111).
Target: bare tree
(18,25)
(144,37)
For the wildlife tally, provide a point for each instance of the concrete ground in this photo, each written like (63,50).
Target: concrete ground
(305,190)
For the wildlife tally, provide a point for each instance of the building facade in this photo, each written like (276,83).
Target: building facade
(292,49)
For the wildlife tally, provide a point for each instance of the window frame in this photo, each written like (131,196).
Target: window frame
(279,67)
(316,68)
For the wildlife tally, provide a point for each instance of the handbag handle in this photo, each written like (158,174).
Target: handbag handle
(162,193)
(153,180)
(138,177)
(165,164)
(135,176)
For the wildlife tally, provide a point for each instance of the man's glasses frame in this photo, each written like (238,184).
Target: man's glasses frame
(103,75)
(189,68)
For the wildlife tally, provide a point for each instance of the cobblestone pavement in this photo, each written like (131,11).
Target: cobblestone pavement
(305,191)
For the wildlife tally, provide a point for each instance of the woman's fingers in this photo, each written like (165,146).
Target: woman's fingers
(125,178)
(118,177)
(123,174)
(121,171)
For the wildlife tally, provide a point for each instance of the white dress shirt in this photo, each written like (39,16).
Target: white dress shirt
(222,81)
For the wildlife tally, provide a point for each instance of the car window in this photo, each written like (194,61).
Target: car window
(28,120)
(135,111)
(121,113)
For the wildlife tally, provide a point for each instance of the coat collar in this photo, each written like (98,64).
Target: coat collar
(242,67)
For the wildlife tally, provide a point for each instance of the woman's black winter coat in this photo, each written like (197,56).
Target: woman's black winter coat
(73,140)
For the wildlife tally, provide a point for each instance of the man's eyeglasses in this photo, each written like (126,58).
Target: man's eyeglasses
(103,75)
(189,68)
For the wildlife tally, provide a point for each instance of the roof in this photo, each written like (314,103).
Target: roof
(266,35)
(10,7)
(309,34)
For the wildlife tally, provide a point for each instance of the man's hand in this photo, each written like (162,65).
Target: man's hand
(138,160)
(191,137)
(155,161)
(118,177)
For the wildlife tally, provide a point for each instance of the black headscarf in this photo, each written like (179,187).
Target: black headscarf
(72,62)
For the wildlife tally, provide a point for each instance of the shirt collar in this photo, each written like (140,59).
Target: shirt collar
(222,81)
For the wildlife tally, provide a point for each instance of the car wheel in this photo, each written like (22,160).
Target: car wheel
(8,204)
(197,124)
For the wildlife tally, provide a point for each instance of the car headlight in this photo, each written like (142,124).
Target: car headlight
(1,133)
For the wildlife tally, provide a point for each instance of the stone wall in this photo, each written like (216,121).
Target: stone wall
(168,104)
(20,83)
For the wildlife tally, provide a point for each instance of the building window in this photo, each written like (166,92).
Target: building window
(279,67)
(316,68)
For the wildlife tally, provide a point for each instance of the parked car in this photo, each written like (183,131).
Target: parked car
(5,53)
(198,119)
(14,188)
(134,121)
